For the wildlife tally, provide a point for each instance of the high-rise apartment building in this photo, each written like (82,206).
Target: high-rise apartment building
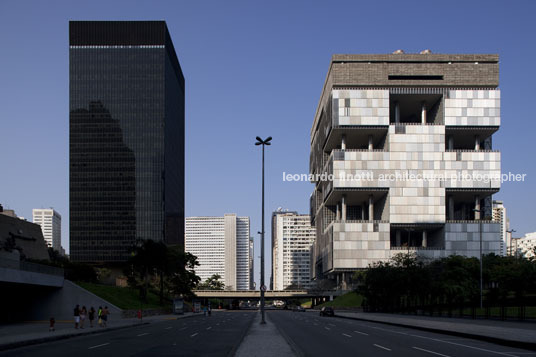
(126,99)
(50,222)
(402,159)
(292,237)
(222,246)
(499,215)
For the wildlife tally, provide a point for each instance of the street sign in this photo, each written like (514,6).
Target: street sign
(263,288)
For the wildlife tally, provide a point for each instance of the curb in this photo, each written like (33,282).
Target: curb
(500,341)
(35,341)
(235,348)
(297,351)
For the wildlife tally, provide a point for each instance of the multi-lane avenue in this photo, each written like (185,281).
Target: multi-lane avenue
(217,335)
(307,333)
(312,335)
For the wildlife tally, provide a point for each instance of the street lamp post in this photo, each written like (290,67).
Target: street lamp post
(480,230)
(263,287)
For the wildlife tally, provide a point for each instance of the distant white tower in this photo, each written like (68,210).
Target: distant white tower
(50,222)
(499,215)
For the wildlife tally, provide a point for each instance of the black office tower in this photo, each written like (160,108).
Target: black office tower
(126,102)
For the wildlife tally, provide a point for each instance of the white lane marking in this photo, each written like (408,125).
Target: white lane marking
(467,346)
(104,344)
(315,324)
(440,340)
(217,324)
(167,328)
(432,352)
(331,324)
(143,334)
(195,334)
(393,331)
(361,333)
(184,328)
(385,348)
(208,328)
(327,328)
(346,335)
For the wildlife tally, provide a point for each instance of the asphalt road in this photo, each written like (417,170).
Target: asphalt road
(312,335)
(217,335)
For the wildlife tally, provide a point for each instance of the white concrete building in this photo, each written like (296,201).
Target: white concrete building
(525,245)
(402,159)
(292,237)
(50,222)
(499,215)
(221,245)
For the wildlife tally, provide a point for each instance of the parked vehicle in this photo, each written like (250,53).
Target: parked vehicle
(327,311)
(298,309)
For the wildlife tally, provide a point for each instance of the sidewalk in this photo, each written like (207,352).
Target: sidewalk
(29,333)
(263,340)
(509,333)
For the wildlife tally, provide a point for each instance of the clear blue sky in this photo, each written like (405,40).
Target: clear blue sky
(252,68)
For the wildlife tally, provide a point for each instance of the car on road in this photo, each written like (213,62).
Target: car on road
(327,311)
(298,309)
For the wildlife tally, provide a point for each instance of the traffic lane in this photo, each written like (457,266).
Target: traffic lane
(348,336)
(214,335)
(439,342)
(312,336)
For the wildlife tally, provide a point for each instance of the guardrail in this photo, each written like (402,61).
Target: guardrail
(31,267)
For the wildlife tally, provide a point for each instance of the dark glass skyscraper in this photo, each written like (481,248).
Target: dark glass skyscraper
(126,138)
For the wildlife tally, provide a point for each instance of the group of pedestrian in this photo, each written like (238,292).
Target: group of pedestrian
(80,315)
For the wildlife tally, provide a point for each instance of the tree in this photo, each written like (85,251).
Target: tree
(181,272)
(168,268)
(212,283)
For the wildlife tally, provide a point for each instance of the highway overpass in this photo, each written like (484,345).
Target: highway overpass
(270,294)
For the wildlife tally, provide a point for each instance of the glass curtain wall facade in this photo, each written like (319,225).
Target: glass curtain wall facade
(126,138)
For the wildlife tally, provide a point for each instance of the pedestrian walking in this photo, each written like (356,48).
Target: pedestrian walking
(52,323)
(91,316)
(105,314)
(99,314)
(83,314)
(76,316)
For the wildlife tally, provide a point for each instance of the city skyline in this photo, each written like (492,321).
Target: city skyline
(288,121)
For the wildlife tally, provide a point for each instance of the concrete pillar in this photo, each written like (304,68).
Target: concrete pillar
(343,142)
(423,113)
(371,208)
(337,213)
(343,204)
(451,208)
(370,143)
(397,113)
(477,142)
(398,238)
(424,239)
(477,206)
(363,209)
(451,142)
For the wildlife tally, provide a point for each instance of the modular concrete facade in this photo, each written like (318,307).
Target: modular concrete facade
(402,159)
